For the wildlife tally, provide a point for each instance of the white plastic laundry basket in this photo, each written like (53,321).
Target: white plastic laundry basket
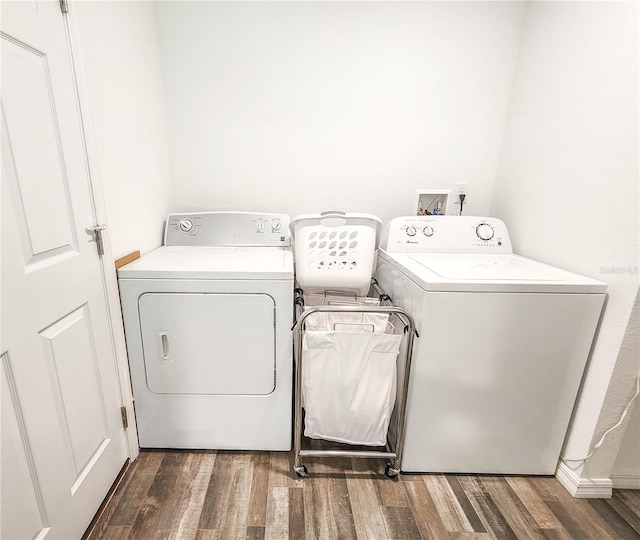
(334,250)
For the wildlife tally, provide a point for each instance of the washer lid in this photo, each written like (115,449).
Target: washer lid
(488,268)
(489,272)
(199,262)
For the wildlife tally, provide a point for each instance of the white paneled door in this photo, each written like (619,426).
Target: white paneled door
(63,441)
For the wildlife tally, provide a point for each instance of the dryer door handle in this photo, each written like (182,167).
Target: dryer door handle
(164,346)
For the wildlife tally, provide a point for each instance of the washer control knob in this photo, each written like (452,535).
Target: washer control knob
(185,225)
(260,226)
(411,230)
(428,230)
(485,231)
(275,225)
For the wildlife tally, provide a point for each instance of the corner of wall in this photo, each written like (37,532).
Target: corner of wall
(496,180)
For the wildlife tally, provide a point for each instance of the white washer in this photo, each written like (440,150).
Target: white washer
(208,326)
(503,345)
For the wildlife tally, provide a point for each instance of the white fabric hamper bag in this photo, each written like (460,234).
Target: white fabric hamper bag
(348,385)
(348,322)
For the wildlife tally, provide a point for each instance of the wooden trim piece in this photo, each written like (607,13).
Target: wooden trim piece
(127,259)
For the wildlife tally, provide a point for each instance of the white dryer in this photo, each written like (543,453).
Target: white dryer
(503,345)
(208,327)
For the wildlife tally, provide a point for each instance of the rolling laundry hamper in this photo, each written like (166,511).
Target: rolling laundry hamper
(346,347)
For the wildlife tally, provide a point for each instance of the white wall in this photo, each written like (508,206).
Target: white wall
(626,470)
(301,107)
(567,184)
(119,43)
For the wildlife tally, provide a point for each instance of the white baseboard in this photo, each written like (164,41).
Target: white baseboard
(625,481)
(583,488)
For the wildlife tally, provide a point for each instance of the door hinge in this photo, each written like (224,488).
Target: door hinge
(96,232)
(125,419)
(64,6)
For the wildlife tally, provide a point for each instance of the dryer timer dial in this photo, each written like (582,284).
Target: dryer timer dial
(185,225)
(485,231)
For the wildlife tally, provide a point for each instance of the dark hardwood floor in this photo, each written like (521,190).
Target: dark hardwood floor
(255,495)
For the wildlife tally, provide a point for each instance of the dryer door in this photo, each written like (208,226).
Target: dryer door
(208,343)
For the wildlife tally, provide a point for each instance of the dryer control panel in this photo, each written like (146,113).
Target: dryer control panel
(253,229)
(445,234)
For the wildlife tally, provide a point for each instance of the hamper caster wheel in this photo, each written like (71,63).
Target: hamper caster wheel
(390,472)
(301,471)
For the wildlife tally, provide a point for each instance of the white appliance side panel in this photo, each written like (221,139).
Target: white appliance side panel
(208,343)
(495,380)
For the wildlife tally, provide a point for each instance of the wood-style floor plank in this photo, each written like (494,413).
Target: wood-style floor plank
(226,511)
(217,494)
(493,519)
(367,514)
(227,495)
(341,510)
(623,503)
(142,476)
(187,517)
(451,513)
(115,533)
(466,535)
(512,508)
(463,499)
(255,533)
(160,497)
(623,529)
(390,493)
(259,490)
(400,522)
(280,467)
(296,513)
(277,526)
(424,511)
(631,498)
(185,471)
(318,507)
(539,511)
(576,515)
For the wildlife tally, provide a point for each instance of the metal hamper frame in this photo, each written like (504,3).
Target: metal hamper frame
(394,455)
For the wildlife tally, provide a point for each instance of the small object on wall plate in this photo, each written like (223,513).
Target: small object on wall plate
(431,202)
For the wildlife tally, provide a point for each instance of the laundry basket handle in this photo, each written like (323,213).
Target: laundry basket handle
(333,218)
